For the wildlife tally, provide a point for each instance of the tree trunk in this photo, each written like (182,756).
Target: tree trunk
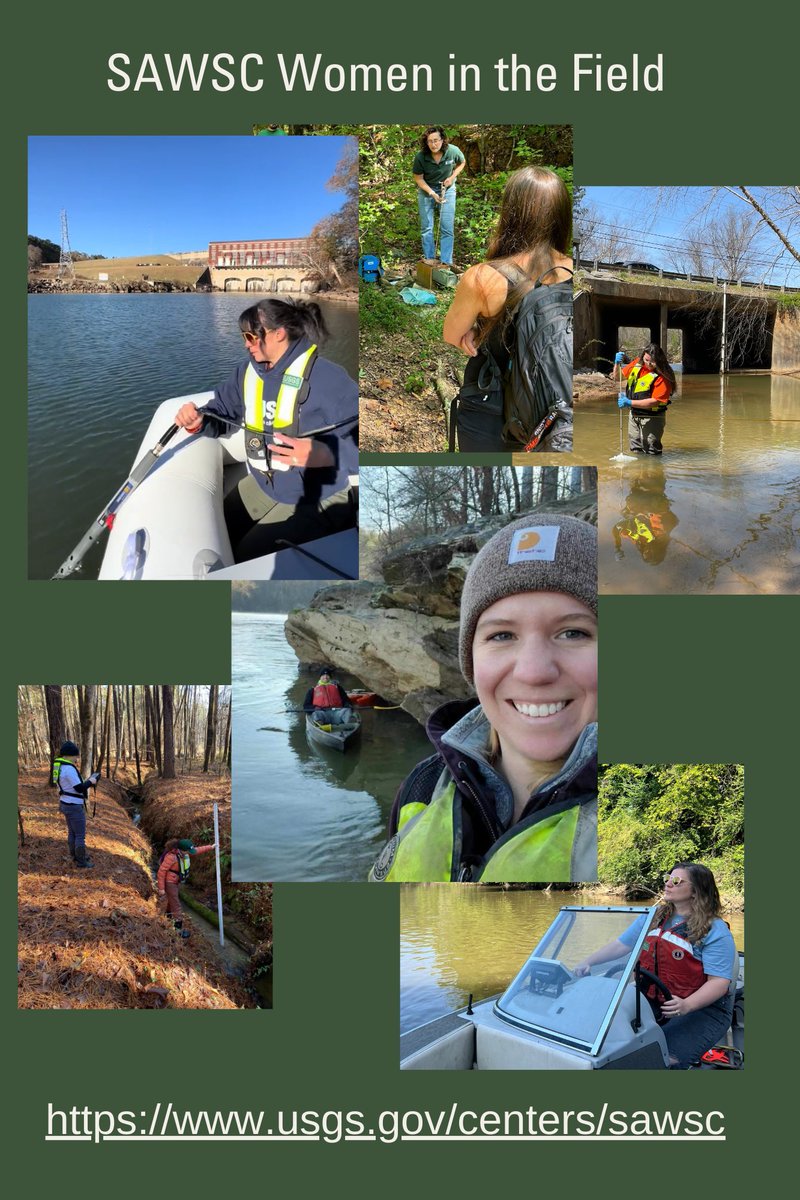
(153,722)
(228,719)
(167,703)
(55,722)
(135,736)
(87,698)
(211,727)
(549,490)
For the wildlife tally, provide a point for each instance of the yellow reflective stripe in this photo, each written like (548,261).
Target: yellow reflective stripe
(408,811)
(425,849)
(253,399)
(641,382)
(542,853)
(290,386)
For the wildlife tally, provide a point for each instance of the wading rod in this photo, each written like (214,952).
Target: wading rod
(219,876)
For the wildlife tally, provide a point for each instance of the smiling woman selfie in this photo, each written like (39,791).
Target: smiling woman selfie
(510,795)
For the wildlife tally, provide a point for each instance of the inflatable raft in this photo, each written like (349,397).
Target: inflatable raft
(172,526)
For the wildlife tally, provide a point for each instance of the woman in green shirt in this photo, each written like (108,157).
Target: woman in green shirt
(437,165)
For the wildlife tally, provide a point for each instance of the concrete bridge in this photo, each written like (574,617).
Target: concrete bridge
(264,280)
(760,334)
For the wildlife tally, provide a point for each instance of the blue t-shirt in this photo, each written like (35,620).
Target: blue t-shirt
(715,952)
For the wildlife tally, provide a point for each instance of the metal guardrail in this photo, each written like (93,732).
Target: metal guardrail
(718,280)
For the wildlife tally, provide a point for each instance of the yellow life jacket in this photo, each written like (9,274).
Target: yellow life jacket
(183,861)
(639,386)
(427,846)
(58,763)
(279,415)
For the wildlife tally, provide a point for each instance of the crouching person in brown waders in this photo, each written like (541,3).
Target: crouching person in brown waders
(173,869)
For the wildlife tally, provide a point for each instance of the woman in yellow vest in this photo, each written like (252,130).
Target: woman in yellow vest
(298,481)
(650,383)
(510,796)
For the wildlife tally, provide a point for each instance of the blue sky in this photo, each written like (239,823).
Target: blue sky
(659,223)
(145,195)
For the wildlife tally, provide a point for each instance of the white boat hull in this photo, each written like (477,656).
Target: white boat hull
(172,526)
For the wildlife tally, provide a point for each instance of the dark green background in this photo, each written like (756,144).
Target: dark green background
(718,685)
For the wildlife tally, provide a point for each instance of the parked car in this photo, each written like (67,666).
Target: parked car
(641,267)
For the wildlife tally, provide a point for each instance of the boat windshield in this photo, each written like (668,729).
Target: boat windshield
(549,997)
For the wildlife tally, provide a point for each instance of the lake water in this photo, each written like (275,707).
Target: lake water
(457,939)
(301,812)
(719,512)
(98,366)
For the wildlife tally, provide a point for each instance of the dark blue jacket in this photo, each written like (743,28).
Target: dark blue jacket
(332,397)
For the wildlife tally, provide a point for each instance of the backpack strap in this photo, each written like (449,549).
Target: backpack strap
(515,274)
(539,283)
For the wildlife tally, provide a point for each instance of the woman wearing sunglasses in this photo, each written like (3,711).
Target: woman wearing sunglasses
(300,417)
(691,950)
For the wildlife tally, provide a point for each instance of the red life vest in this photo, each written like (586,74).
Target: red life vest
(668,954)
(326,695)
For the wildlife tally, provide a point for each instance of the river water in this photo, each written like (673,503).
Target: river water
(457,939)
(302,812)
(719,512)
(98,366)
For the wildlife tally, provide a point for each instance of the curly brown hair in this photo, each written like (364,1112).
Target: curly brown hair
(706,904)
(423,141)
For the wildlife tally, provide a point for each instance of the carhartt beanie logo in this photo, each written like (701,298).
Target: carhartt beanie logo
(542,552)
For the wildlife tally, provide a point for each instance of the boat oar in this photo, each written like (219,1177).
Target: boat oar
(107,517)
(360,707)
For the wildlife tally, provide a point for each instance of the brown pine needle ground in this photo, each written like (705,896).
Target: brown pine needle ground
(95,938)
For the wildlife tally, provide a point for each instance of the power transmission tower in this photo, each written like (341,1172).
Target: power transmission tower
(66,269)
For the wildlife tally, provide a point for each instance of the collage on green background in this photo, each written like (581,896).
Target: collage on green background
(297,684)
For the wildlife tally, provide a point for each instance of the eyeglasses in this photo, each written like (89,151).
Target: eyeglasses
(250,338)
(674,880)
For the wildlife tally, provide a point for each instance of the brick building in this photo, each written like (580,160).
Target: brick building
(260,252)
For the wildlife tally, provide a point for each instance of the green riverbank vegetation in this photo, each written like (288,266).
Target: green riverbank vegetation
(654,816)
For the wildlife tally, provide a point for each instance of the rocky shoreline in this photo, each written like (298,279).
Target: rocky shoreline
(399,636)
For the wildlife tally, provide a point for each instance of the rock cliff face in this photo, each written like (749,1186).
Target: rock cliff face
(400,637)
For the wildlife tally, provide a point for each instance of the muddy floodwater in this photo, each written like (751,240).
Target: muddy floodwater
(719,511)
(466,938)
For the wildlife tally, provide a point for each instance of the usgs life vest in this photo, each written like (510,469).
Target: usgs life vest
(326,695)
(668,954)
(281,416)
(58,763)
(639,386)
(427,845)
(370,268)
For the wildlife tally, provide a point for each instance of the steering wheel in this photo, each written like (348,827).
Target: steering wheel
(645,976)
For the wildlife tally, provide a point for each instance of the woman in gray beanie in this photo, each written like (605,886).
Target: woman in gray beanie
(510,796)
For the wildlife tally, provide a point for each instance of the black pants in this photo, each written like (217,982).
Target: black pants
(256,522)
(75,816)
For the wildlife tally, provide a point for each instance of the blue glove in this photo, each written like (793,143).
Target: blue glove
(619,357)
(624,402)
